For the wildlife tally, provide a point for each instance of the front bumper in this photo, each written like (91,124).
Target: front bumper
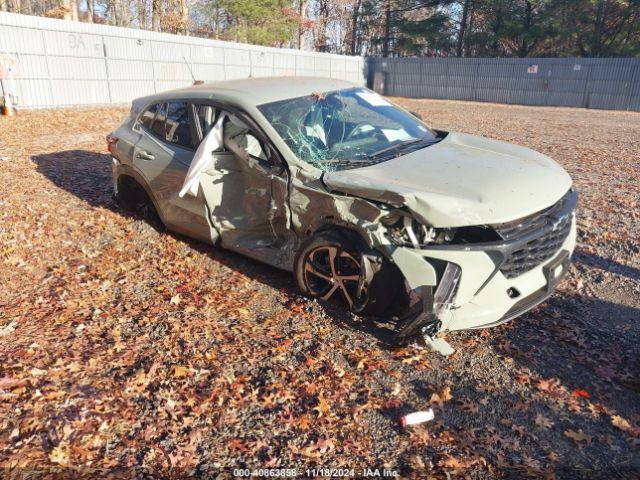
(483,296)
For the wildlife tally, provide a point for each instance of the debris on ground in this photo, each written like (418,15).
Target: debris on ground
(416,418)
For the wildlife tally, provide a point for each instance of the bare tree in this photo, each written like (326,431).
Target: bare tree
(355,17)
(90,10)
(156,14)
(303,18)
(387,29)
(141,11)
(467,5)
(184,17)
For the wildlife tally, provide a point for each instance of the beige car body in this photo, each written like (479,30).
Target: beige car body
(463,180)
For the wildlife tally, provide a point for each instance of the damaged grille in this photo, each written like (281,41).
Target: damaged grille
(553,229)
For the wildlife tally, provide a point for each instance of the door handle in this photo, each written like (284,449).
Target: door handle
(144,155)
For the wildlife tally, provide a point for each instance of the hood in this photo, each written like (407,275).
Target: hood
(462,180)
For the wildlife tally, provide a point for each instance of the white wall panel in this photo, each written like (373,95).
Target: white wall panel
(237,56)
(170,52)
(35,93)
(80,92)
(20,39)
(207,54)
(208,73)
(127,48)
(73,44)
(32,66)
(77,68)
(130,69)
(72,63)
(122,91)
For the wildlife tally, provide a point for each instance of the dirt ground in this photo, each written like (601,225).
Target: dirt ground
(126,351)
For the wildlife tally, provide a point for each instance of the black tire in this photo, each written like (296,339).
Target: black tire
(132,197)
(316,278)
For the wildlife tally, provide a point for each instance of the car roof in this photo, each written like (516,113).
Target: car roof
(258,91)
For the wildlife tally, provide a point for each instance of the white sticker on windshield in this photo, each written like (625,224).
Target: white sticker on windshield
(373,99)
(396,135)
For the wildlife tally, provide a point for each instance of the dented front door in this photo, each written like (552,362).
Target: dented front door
(245,192)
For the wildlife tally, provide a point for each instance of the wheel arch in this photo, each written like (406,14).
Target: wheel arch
(125,170)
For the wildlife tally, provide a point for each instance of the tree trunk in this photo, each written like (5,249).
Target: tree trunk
(497,29)
(156,14)
(141,8)
(184,17)
(596,43)
(463,27)
(523,51)
(70,9)
(387,30)
(90,10)
(303,18)
(354,25)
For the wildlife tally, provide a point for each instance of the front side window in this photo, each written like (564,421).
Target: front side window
(346,128)
(242,137)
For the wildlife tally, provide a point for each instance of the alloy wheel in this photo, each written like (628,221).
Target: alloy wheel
(330,269)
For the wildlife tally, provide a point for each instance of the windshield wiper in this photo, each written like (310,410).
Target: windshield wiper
(396,146)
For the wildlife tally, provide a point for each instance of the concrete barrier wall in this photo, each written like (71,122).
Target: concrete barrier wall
(47,62)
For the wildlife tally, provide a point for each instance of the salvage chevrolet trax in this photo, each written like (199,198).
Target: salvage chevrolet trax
(354,195)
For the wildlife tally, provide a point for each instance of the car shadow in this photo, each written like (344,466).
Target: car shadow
(585,342)
(581,358)
(606,264)
(87,175)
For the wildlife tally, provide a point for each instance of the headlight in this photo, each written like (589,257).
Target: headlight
(408,232)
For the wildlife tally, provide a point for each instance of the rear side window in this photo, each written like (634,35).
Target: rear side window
(146,119)
(177,128)
(158,124)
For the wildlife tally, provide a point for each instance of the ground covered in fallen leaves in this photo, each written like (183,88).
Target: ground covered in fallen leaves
(126,351)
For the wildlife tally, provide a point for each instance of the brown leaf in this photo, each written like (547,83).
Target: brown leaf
(543,421)
(8,383)
(179,371)
(578,436)
(60,455)
(323,407)
(439,398)
(624,425)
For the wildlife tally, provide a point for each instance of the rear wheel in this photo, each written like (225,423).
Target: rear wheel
(131,196)
(334,263)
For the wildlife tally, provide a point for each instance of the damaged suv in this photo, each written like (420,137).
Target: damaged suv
(356,196)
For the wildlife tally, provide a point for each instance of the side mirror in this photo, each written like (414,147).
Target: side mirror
(416,114)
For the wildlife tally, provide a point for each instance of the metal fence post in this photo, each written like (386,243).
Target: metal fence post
(635,78)
(106,68)
(46,61)
(153,69)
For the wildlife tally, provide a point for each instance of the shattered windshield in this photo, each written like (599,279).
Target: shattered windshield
(347,128)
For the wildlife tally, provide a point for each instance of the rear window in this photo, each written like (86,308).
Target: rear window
(158,124)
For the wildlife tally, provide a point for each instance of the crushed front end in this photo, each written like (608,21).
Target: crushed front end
(478,277)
